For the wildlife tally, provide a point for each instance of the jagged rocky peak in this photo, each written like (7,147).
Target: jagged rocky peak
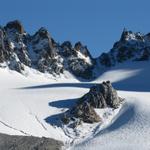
(15,25)
(83,49)
(100,96)
(67,49)
(67,45)
(45,49)
(76,50)
(40,51)
(12,49)
(147,37)
(42,41)
(129,35)
(77,59)
(43,33)
(131,46)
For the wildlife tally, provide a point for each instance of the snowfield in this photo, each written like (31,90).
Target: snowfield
(31,104)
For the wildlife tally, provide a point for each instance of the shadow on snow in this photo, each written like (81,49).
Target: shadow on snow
(63,103)
(55,120)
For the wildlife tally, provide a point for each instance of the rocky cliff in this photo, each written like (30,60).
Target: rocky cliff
(40,51)
(131,46)
(19,50)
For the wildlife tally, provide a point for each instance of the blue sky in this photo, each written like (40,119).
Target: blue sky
(96,23)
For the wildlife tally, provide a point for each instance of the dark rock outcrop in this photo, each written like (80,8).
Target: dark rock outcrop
(100,96)
(2,46)
(10,142)
(15,25)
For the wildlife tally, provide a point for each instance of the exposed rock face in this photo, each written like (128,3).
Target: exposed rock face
(18,49)
(9,142)
(2,46)
(131,46)
(15,25)
(78,59)
(85,111)
(44,53)
(100,96)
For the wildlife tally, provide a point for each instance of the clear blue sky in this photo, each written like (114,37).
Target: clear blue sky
(96,23)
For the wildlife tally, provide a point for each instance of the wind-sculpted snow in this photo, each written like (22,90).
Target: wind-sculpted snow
(130,130)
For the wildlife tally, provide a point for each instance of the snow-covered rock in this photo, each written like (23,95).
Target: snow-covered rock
(78,59)
(100,96)
(131,46)
(39,51)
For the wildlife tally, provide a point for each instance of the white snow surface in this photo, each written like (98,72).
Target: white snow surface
(31,104)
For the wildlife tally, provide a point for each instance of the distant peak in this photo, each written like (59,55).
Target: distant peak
(16,24)
(129,35)
(43,32)
(78,45)
(66,44)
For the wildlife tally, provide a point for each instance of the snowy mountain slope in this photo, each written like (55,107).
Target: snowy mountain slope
(26,103)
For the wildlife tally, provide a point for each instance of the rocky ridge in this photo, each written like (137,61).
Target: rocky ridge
(19,50)
(100,96)
(131,46)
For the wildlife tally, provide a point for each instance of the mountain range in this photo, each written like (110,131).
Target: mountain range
(20,50)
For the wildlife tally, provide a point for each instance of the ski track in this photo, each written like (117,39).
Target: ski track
(5,124)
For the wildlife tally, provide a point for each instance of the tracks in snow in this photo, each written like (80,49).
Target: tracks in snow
(21,131)
(42,125)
